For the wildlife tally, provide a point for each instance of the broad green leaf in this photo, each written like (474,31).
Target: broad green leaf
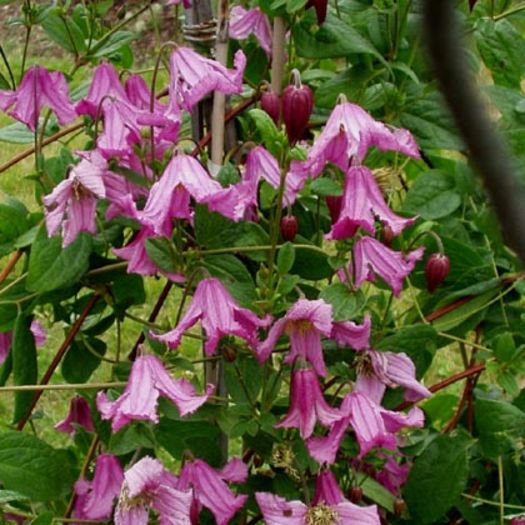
(4,83)
(19,133)
(128,290)
(375,491)
(502,48)
(311,264)
(113,43)
(13,223)
(433,195)
(63,30)
(346,304)
(10,495)
(34,468)
(504,347)
(82,359)
(163,253)
(295,5)
(46,518)
(25,366)
(442,471)
(325,187)
(271,137)
(498,423)
(131,437)
(333,39)
(285,258)
(52,267)
(212,230)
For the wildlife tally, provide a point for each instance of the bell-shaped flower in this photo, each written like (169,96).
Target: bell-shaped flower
(94,499)
(362,205)
(278,511)
(39,88)
(194,76)
(389,369)
(147,381)
(349,132)
(71,206)
(244,22)
(220,316)
(393,475)
(104,84)
(372,258)
(348,333)
(79,415)
(307,404)
(148,485)
(209,488)
(304,323)
(169,198)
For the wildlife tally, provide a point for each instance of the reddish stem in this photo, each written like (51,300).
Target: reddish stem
(10,265)
(58,357)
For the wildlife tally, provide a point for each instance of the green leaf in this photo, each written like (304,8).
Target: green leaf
(25,366)
(34,468)
(131,437)
(252,373)
(294,5)
(504,347)
(128,290)
(442,471)
(82,359)
(375,491)
(46,518)
(63,30)
(19,133)
(325,187)
(270,135)
(10,495)
(4,83)
(498,423)
(52,267)
(502,48)
(212,230)
(333,39)
(346,304)
(311,264)
(433,195)
(113,43)
(13,223)
(163,253)
(285,258)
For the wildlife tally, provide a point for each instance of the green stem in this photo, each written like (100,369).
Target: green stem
(493,503)
(501,492)
(63,386)
(24,53)
(9,70)
(464,341)
(108,268)
(509,12)
(260,248)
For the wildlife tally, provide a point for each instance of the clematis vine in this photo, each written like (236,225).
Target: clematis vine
(147,484)
(147,381)
(39,88)
(94,499)
(220,315)
(209,488)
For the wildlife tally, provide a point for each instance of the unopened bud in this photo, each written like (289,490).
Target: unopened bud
(436,270)
(289,227)
(334,206)
(320,9)
(355,494)
(399,507)
(271,103)
(297,105)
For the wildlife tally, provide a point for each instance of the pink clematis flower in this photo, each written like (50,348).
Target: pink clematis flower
(147,484)
(185,3)
(94,499)
(169,198)
(6,338)
(372,258)
(244,22)
(147,381)
(220,315)
(105,84)
(307,404)
(210,490)
(348,333)
(278,511)
(393,369)
(71,206)
(349,132)
(193,76)
(39,88)
(362,203)
(79,415)
(393,475)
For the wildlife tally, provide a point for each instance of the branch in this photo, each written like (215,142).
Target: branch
(10,265)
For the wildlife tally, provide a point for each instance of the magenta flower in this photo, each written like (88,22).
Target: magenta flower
(194,76)
(94,499)
(304,324)
(362,205)
(348,333)
(210,490)
(372,258)
(105,84)
(147,484)
(220,315)
(39,88)
(307,404)
(244,22)
(185,3)
(349,132)
(278,511)
(169,198)
(71,206)
(147,381)
(79,415)
(393,475)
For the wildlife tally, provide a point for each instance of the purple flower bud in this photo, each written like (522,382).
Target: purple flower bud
(289,227)
(436,270)
(334,206)
(271,103)
(471,4)
(520,520)
(297,105)
(387,235)
(320,9)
